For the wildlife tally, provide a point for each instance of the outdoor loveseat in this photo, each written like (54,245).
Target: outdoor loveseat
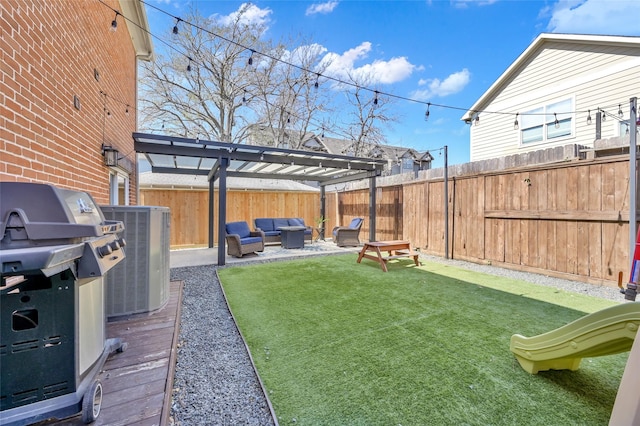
(348,235)
(270,227)
(241,240)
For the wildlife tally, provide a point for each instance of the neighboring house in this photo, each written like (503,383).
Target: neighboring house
(68,94)
(558,87)
(399,159)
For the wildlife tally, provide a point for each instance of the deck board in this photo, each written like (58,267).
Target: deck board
(137,383)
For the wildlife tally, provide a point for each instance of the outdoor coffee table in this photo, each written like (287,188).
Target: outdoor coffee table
(292,237)
(395,249)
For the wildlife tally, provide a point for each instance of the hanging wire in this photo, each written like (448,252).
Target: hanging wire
(328,77)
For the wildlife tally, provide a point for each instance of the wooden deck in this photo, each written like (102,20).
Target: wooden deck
(137,383)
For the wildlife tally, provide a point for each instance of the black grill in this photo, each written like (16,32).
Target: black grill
(55,249)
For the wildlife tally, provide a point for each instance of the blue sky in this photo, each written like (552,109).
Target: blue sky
(444,52)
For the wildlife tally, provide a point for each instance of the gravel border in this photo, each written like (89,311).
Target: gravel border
(215,381)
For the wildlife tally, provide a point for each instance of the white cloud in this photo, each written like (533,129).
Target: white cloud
(441,88)
(379,71)
(463,4)
(250,15)
(610,17)
(323,8)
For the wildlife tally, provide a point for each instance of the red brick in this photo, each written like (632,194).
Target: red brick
(42,68)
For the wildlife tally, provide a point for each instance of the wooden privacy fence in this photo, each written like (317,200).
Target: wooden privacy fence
(190,210)
(568,220)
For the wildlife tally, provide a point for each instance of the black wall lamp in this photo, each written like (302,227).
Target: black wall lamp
(110,155)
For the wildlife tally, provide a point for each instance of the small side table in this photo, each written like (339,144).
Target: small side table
(320,232)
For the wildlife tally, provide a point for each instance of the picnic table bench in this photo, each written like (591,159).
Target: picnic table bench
(395,249)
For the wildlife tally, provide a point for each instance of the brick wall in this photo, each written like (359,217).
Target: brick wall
(49,51)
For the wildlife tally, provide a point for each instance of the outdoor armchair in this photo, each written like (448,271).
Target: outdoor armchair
(348,235)
(241,240)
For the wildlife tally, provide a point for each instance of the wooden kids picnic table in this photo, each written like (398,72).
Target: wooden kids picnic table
(395,250)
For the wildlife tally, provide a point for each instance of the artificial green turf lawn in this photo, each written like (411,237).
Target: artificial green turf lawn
(341,343)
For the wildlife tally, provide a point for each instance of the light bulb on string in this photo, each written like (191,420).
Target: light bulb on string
(114,23)
(189,65)
(589,117)
(516,126)
(250,60)
(317,83)
(620,113)
(556,123)
(604,115)
(375,99)
(175,27)
(427,113)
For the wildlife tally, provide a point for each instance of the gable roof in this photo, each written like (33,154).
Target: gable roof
(534,48)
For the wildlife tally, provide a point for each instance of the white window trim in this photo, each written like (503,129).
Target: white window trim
(114,176)
(544,140)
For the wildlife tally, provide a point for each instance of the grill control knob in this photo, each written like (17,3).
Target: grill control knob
(104,250)
(122,242)
(115,245)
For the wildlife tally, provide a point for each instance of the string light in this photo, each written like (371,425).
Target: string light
(556,123)
(516,126)
(175,30)
(175,27)
(127,105)
(114,23)
(620,113)
(427,113)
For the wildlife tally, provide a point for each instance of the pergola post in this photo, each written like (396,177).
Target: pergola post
(372,208)
(323,211)
(211,206)
(222,209)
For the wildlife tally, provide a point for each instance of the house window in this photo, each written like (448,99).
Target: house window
(407,164)
(551,121)
(624,127)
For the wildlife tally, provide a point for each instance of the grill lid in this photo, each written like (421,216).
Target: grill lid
(49,229)
(38,214)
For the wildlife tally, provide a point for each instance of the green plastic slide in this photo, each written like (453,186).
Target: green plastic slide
(606,332)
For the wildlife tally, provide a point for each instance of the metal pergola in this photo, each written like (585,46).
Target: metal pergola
(219,160)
